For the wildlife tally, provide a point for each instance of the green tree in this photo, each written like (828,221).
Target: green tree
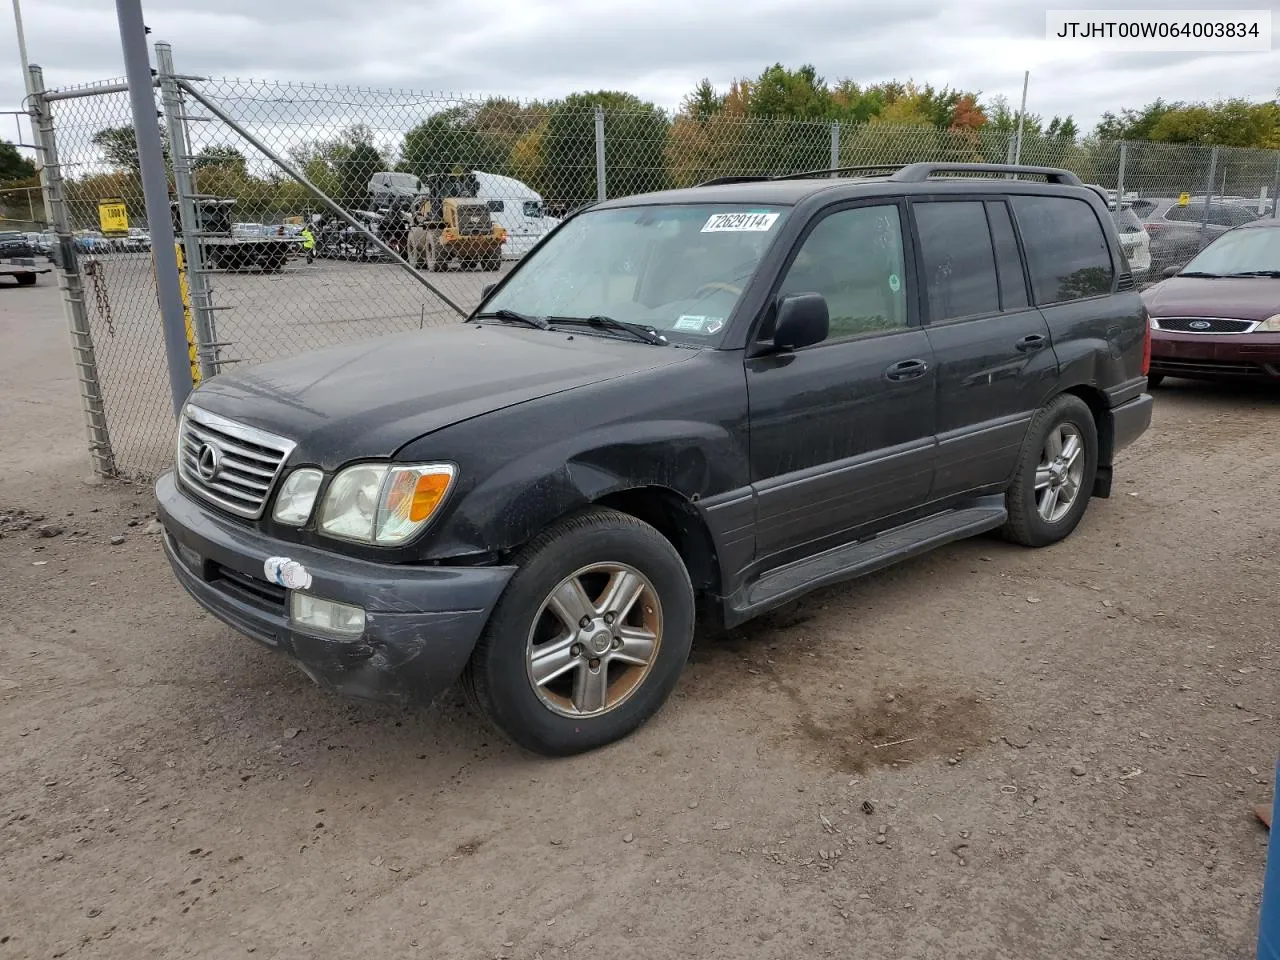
(450,139)
(354,171)
(119,146)
(220,155)
(635,135)
(13,165)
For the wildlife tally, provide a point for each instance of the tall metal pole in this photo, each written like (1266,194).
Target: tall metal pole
(1124,156)
(1275,190)
(1208,192)
(602,191)
(155,190)
(22,48)
(835,146)
(184,184)
(1022,115)
(86,361)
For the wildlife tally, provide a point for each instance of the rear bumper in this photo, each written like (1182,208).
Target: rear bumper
(421,622)
(1250,356)
(1130,420)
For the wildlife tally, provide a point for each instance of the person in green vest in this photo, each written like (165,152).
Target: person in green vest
(309,243)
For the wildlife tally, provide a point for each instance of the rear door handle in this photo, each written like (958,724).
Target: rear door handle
(1034,341)
(906,370)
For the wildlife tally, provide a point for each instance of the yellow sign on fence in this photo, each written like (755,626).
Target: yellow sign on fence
(113,218)
(1184,199)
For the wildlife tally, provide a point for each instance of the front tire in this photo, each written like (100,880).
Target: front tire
(1054,480)
(589,637)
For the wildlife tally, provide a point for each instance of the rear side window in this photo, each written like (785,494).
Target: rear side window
(1013,285)
(959,262)
(1066,248)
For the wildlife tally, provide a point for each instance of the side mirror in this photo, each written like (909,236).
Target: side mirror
(803,320)
(1170,272)
(487,289)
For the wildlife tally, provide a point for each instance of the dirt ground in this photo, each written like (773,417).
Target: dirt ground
(989,752)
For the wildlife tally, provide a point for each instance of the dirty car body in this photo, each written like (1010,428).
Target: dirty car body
(685,405)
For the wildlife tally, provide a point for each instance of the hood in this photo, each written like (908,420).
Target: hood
(1239,298)
(370,398)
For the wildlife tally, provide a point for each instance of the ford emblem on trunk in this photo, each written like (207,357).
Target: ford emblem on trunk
(1199,324)
(208,459)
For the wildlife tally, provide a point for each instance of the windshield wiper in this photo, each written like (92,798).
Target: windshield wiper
(515,316)
(1201,273)
(638,330)
(1256,273)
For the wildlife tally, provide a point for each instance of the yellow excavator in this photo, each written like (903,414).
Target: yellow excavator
(451,225)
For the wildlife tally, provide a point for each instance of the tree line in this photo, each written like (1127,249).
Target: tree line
(778,122)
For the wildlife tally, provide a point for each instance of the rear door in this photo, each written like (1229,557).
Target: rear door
(842,432)
(993,349)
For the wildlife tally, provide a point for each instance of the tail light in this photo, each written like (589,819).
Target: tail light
(1146,342)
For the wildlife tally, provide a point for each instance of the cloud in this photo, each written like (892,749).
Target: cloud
(658,49)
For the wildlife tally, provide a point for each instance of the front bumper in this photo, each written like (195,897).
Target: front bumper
(1250,356)
(421,622)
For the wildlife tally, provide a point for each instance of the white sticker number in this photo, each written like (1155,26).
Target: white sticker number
(737,222)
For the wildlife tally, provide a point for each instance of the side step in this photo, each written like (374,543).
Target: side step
(852,560)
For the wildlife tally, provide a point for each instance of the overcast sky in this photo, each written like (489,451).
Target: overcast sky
(657,49)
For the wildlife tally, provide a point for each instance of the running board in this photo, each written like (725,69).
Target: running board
(852,560)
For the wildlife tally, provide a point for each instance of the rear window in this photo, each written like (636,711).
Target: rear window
(1066,248)
(1126,220)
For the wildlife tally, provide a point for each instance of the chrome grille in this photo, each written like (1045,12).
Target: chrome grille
(228,463)
(1204,325)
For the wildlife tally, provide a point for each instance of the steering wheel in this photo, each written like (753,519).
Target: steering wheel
(717,285)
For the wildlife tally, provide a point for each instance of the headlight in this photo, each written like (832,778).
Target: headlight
(1269,325)
(384,504)
(297,496)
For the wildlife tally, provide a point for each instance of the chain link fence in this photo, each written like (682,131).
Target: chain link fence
(311,215)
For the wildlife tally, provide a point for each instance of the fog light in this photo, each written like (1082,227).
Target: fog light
(325,616)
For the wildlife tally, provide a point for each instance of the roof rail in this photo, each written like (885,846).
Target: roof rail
(717,181)
(920,172)
(827,171)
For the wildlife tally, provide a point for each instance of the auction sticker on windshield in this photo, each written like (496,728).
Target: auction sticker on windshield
(738,222)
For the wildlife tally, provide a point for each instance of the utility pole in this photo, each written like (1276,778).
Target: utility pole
(1022,115)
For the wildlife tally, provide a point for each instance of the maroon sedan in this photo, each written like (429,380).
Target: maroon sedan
(1219,317)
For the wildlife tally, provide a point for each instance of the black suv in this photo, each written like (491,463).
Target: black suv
(695,404)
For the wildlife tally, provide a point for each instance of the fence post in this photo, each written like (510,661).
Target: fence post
(601,186)
(155,191)
(1275,189)
(835,146)
(1208,191)
(86,359)
(1124,156)
(201,297)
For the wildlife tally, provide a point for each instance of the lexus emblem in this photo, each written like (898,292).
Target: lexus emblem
(1199,324)
(208,462)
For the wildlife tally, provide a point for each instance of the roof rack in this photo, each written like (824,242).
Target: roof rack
(920,172)
(718,181)
(827,171)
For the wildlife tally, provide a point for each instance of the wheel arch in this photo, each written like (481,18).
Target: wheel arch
(1096,400)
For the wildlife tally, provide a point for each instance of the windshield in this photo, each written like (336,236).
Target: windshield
(678,269)
(1240,251)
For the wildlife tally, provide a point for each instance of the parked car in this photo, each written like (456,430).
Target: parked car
(699,402)
(1179,232)
(1134,239)
(1219,317)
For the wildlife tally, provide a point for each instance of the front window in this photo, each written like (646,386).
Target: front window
(1250,250)
(678,268)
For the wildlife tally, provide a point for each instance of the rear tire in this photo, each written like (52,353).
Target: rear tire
(1154,380)
(26,279)
(1052,487)
(595,683)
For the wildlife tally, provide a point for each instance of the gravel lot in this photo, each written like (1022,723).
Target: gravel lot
(1078,737)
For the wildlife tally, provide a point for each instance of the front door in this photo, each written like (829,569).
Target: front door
(842,432)
(993,349)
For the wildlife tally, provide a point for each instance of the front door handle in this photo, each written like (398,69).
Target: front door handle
(1034,341)
(906,370)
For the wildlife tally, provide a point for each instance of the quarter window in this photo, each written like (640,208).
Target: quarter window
(854,259)
(959,262)
(1066,248)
